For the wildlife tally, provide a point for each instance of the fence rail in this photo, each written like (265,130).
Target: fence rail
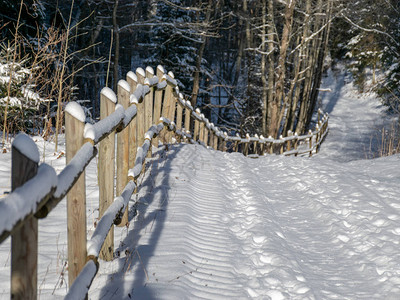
(143,102)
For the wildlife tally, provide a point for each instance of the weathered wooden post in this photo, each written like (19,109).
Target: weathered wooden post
(289,142)
(167,108)
(215,144)
(296,143)
(123,147)
(196,126)
(158,99)
(211,138)
(246,145)
(24,241)
(206,131)
(76,197)
(271,146)
(107,169)
(132,80)
(148,105)
(318,129)
(172,105)
(222,142)
(281,150)
(188,112)
(310,141)
(140,115)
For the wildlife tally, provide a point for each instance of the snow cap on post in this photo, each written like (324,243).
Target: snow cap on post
(124,84)
(75,110)
(109,94)
(132,76)
(150,70)
(161,69)
(24,144)
(141,72)
(171,74)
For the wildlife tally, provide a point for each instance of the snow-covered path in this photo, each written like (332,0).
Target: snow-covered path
(222,226)
(355,119)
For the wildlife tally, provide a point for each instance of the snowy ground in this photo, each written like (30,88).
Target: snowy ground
(213,225)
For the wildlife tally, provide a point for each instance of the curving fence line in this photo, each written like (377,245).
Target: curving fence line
(144,101)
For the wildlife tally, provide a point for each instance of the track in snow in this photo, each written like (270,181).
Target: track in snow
(222,226)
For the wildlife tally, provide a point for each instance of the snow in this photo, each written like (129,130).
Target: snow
(26,146)
(161,69)
(150,70)
(215,225)
(140,72)
(81,285)
(24,200)
(106,125)
(75,110)
(132,76)
(124,84)
(109,94)
(96,242)
(75,167)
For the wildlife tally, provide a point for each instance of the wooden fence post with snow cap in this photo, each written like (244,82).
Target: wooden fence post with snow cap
(123,147)
(140,116)
(318,130)
(296,143)
(179,112)
(196,127)
(132,80)
(310,141)
(172,103)
(148,103)
(206,132)
(108,100)
(211,137)
(188,113)
(158,98)
(281,148)
(76,197)
(201,129)
(255,142)
(215,137)
(24,241)
(289,142)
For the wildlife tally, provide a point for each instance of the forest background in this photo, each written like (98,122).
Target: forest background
(251,66)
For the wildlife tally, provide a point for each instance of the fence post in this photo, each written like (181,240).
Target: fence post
(76,197)
(296,142)
(148,105)
(318,136)
(201,130)
(140,115)
(289,143)
(131,78)
(188,113)
(196,129)
(215,144)
(24,241)
(205,137)
(107,169)
(172,106)
(158,101)
(310,141)
(123,148)
(211,138)
(167,109)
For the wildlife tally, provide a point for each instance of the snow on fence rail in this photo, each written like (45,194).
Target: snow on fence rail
(145,101)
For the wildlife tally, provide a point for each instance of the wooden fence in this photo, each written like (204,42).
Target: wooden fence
(145,101)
